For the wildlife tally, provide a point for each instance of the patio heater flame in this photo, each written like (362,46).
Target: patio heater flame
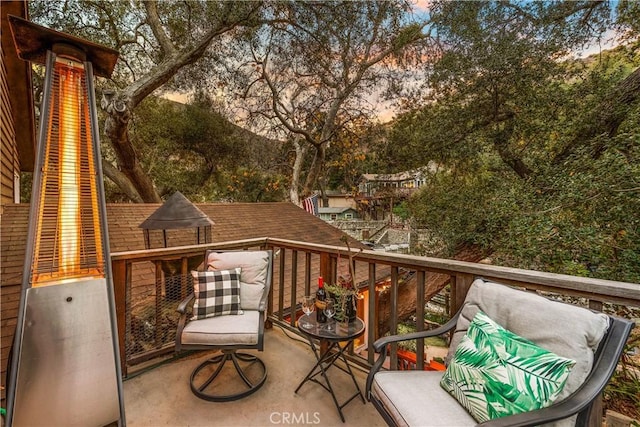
(65,367)
(69,216)
(68,241)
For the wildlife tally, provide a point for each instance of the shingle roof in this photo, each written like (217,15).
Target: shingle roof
(233,221)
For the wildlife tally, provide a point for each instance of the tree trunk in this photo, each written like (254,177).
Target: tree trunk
(116,128)
(315,169)
(501,139)
(121,181)
(294,195)
(514,162)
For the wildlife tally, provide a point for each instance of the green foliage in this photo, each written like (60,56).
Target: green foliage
(344,161)
(123,25)
(412,345)
(539,155)
(461,207)
(629,18)
(195,150)
(439,318)
(245,185)
(402,210)
(576,219)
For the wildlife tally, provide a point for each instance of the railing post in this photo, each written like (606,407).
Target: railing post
(307,273)
(184,270)
(595,418)
(119,271)
(325,267)
(158,313)
(460,284)
(294,287)
(281,285)
(268,323)
(420,282)
(372,325)
(393,318)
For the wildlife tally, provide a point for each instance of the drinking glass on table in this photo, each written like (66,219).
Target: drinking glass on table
(329,311)
(308,305)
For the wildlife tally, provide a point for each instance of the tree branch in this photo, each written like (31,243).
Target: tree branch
(164,71)
(121,181)
(607,117)
(168,49)
(274,103)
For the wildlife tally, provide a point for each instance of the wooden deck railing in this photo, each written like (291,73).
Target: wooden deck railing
(149,284)
(145,309)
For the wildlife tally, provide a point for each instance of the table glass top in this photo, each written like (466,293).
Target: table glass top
(331,330)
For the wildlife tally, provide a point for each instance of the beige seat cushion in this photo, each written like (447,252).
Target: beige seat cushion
(415,398)
(223,330)
(254,265)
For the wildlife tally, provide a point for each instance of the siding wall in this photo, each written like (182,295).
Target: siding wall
(17,151)
(9,165)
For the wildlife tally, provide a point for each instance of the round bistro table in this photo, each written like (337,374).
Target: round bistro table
(334,339)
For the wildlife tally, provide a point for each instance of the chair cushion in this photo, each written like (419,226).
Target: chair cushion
(415,398)
(254,265)
(223,330)
(217,293)
(566,330)
(495,373)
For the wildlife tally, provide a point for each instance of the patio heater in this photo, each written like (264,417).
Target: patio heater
(65,367)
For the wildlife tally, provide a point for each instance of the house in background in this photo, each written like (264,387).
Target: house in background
(378,194)
(336,214)
(402,183)
(339,199)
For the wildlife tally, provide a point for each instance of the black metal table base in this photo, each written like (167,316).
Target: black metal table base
(325,361)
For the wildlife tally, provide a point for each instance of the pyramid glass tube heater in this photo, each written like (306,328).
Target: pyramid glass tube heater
(65,367)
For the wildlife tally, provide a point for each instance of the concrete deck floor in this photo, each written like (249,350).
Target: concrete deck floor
(162,397)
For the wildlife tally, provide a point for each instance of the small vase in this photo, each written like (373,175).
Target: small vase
(350,308)
(345,307)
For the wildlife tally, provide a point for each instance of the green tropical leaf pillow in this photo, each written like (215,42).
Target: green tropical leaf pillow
(495,372)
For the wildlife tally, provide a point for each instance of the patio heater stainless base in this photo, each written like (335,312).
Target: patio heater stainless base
(67,374)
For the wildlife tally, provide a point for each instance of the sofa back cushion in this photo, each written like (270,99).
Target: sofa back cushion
(566,330)
(253,278)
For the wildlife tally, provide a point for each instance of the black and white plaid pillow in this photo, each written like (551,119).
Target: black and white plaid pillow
(217,293)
